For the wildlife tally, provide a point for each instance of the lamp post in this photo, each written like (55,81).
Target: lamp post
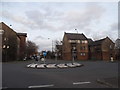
(52,47)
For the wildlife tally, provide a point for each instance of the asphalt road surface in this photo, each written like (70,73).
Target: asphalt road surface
(17,75)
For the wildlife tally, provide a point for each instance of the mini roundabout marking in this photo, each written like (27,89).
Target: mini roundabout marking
(54,66)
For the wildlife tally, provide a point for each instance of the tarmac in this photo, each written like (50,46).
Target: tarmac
(112,82)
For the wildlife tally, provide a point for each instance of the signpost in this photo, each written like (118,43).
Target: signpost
(44,54)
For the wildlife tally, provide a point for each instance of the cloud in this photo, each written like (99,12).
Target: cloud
(20,20)
(58,18)
(82,19)
(111,32)
(51,19)
(44,19)
(114,26)
(39,37)
(44,44)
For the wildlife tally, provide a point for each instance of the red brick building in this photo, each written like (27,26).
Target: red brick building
(22,50)
(11,43)
(102,49)
(75,45)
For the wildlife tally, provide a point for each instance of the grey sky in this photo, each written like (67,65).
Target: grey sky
(42,20)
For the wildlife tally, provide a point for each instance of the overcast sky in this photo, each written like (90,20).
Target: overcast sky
(42,20)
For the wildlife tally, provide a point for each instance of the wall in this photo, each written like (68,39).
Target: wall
(66,49)
(96,52)
(9,40)
(108,49)
(22,46)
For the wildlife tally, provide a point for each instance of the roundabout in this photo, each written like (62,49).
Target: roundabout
(54,66)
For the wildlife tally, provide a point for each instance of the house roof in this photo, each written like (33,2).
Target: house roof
(98,42)
(22,34)
(90,41)
(2,24)
(75,36)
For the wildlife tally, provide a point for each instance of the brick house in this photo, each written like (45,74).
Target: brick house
(10,43)
(102,49)
(22,37)
(75,45)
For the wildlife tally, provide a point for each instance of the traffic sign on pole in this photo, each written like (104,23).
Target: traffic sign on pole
(44,53)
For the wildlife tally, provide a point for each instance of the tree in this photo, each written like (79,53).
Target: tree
(58,48)
(58,42)
(31,48)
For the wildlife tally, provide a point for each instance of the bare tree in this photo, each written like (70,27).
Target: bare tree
(58,42)
(31,48)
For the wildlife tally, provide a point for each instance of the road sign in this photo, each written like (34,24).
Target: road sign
(44,53)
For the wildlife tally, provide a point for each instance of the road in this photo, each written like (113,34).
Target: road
(16,75)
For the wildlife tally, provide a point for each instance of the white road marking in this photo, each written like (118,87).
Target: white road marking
(81,83)
(40,86)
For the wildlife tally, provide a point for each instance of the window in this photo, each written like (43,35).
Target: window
(85,41)
(78,41)
(71,41)
(5,39)
(110,46)
(82,48)
(4,46)
(82,54)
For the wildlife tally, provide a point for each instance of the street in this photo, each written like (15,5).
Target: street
(17,75)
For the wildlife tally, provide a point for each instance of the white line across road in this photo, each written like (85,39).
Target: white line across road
(40,86)
(76,83)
